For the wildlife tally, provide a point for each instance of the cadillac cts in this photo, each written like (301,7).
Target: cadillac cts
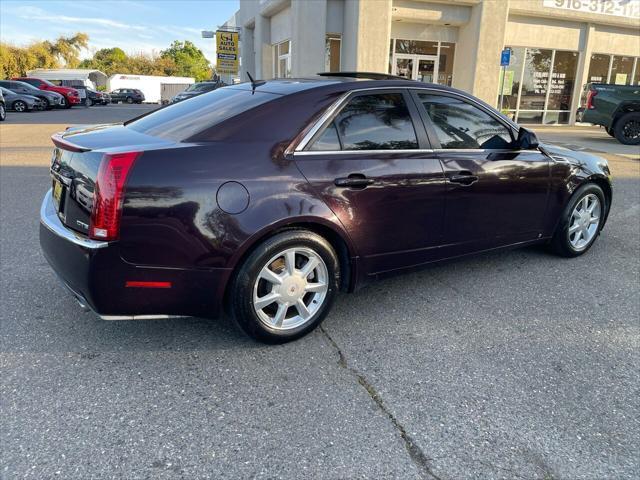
(269,197)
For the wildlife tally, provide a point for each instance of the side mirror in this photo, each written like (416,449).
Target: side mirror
(527,140)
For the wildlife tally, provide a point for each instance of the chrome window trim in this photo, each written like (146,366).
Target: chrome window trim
(330,111)
(49,219)
(361,152)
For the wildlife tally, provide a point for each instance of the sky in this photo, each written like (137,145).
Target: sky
(134,26)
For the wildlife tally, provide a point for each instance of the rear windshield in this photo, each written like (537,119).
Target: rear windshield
(181,121)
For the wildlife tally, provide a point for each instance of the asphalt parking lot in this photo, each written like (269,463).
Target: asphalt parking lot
(518,365)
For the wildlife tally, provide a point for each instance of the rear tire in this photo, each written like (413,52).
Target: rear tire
(575,233)
(277,270)
(89,102)
(3,112)
(627,129)
(129,100)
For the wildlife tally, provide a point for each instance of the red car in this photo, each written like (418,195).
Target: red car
(71,95)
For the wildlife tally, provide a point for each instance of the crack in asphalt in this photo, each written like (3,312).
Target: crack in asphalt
(416,454)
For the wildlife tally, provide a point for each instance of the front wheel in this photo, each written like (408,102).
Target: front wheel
(129,100)
(19,106)
(627,129)
(581,222)
(286,287)
(89,102)
(63,102)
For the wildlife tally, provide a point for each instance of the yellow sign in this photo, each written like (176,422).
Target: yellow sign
(227,52)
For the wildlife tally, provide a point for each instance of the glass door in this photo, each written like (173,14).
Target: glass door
(427,70)
(403,66)
(423,68)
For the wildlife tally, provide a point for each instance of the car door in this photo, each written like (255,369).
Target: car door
(372,164)
(16,87)
(496,193)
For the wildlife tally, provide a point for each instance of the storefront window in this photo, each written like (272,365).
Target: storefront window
(563,79)
(416,47)
(535,81)
(332,53)
(636,77)
(539,85)
(599,68)
(282,60)
(621,70)
(445,67)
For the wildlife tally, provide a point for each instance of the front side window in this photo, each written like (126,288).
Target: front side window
(459,125)
(371,122)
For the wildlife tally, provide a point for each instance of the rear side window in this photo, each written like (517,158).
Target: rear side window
(182,120)
(460,125)
(370,122)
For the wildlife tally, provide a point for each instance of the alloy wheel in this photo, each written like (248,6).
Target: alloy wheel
(3,112)
(584,222)
(631,129)
(19,106)
(290,288)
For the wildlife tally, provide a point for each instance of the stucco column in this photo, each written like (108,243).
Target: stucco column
(262,48)
(582,72)
(308,36)
(247,54)
(365,47)
(477,66)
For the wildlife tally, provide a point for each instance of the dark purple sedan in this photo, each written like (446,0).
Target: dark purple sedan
(268,198)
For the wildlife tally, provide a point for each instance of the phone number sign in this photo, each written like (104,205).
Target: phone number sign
(227,52)
(618,8)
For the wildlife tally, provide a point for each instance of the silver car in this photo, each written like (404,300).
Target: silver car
(51,99)
(19,102)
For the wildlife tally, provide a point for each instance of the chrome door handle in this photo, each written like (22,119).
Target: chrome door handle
(353,181)
(463,178)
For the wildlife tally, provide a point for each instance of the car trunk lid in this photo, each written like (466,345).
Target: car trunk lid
(75,166)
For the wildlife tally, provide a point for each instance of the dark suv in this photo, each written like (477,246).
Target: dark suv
(127,95)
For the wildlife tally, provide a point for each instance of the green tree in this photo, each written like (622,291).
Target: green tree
(68,49)
(188,59)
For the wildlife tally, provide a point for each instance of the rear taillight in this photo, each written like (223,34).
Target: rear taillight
(109,195)
(590,96)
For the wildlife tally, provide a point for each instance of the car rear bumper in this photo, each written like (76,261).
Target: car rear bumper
(96,275)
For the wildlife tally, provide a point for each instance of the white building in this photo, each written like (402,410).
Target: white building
(557,45)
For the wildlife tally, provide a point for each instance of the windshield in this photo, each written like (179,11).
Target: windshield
(181,121)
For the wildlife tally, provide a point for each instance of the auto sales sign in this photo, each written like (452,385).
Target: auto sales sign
(227,52)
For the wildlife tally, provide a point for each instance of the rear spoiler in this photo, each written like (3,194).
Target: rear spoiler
(60,142)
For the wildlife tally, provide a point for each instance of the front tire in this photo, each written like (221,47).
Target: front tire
(89,102)
(19,106)
(581,222)
(627,129)
(286,287)
(129,100)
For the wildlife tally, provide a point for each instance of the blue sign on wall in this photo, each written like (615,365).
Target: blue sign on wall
(505,57)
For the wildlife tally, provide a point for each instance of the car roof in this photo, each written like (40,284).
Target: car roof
(287,86)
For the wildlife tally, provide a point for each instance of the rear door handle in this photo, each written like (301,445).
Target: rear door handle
(353,181)
(463,178)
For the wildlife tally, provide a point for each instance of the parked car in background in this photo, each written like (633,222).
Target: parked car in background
(19,102)
(196,89)
(70,95)
(97,98)
(614,107)
(52,99)
(3,108)
(269,197)
(127,95)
